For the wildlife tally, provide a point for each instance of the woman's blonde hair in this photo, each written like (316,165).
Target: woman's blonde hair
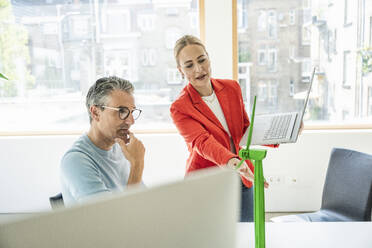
(184,41)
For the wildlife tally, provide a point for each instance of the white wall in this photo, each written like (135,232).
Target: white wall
(29,167)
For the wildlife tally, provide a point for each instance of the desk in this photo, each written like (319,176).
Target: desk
(309,235)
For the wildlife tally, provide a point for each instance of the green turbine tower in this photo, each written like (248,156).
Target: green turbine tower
(256,156)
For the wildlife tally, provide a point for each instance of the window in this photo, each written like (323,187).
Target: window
(80,26)
(272,54)
(171,36)
(172,11)
(314,36)
(261,57)
(261,21)
(272,24)
(292,51)
(194,20)
(273,93)
(173,76)
(347,70)
(118,62)
(306,35)
(117,22)
(149,57)
(370,31)
(306,4)
(292,17)
(61,48)
(306,70)
(244,80)
(242,15)
(348,12)
(306,16)
(369,109)
(291,88)
(262,92)
(146,22)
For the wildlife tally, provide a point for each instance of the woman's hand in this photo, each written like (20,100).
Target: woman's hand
(244,170)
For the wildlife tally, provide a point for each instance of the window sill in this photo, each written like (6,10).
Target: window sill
(174,131)
(77,132)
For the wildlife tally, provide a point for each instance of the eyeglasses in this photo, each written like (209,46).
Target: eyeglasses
(124,112)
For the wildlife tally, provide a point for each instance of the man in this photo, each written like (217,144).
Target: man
(109,157)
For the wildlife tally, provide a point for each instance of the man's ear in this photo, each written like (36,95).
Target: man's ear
(95,112)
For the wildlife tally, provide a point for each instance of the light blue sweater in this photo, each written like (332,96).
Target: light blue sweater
(87,170)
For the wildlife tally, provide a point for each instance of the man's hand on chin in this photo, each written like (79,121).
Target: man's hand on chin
(134,151)
(132,148)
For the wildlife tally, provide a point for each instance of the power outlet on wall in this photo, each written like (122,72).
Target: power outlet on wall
(282,180)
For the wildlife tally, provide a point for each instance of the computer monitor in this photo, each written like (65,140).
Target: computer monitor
(200,211)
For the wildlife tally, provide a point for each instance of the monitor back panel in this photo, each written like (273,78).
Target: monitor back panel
(201,211)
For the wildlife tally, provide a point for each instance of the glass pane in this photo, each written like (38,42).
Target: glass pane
(284,40)
(53,51)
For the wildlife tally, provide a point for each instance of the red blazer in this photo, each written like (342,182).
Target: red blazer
(206,139)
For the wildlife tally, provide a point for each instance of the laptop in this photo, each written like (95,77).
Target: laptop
(277,128)
(200,211)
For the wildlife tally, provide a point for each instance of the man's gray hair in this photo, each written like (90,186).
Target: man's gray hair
(100,91)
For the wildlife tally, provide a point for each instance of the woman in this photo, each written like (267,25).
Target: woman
(209,114)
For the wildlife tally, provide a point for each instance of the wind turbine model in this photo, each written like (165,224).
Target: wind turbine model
(256,156)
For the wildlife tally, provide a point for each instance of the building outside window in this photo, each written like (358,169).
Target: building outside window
(62,47)
(314,36)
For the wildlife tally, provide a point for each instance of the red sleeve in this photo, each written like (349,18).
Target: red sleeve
(199,139)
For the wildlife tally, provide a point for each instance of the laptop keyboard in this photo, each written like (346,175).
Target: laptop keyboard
(278,127)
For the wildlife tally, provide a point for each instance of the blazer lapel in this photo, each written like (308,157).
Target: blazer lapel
(202,107)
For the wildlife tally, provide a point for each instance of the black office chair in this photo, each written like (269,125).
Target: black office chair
(347,192)
(56,201)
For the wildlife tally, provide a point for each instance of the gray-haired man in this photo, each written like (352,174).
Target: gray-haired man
(109,157)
